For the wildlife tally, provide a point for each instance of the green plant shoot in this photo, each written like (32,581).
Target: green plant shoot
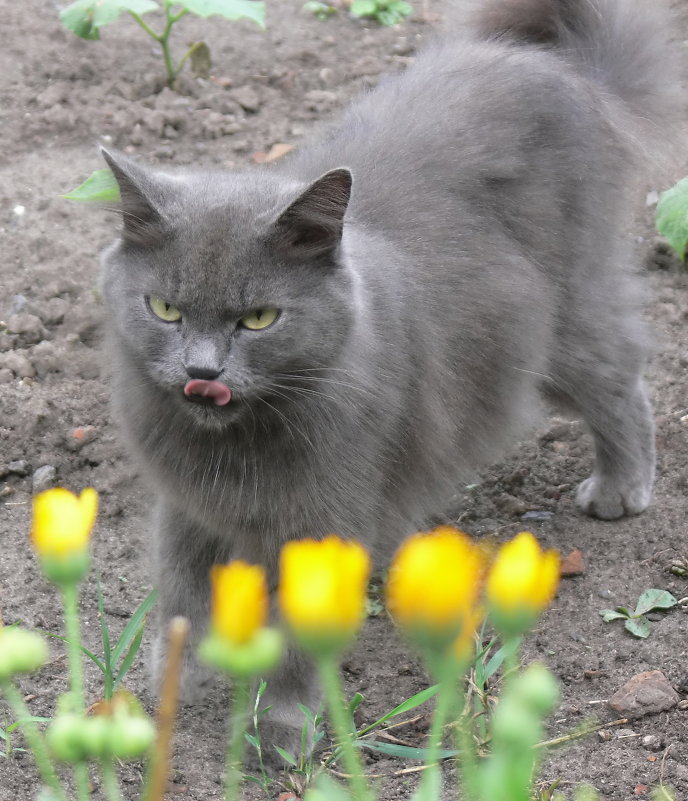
(635,621)
(386,12)
(672,217)
(85,18)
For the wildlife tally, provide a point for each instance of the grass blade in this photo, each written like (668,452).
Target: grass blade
(403,751)
(404,706)
(131,630)
(129,658)
(107,655)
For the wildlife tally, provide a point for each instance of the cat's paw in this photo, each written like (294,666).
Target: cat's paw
(609,499)
(286,737)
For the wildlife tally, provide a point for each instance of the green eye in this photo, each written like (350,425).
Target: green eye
(164,310)
(259,319)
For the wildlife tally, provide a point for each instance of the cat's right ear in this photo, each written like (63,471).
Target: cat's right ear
(142,221)
(312,226)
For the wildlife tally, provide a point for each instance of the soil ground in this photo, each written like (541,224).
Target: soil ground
(59,97)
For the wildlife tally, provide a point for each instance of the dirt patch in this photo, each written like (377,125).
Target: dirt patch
(59,96)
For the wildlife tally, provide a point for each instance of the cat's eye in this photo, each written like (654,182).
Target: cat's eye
(259,319)
(164,310)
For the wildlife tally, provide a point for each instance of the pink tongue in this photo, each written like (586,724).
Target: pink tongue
(216,390)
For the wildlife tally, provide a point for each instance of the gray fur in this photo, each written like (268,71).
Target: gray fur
(480,261)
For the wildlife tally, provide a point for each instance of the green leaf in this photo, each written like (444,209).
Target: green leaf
(405,706)
(672,217)
(403,751)
(484,672)
(84,650)
(638,626)
(251,740)
(107,653)
(326,789)
(129,658)
(363,8)
(654,599)
(286,756)
(229,9)
(355,702)
(19,722)
(135,623)
(663,793)
(611,614)
(99,187)
(85,18)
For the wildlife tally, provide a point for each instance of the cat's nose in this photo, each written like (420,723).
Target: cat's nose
(204,373)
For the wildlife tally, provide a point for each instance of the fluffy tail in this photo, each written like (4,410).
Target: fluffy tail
(623,44)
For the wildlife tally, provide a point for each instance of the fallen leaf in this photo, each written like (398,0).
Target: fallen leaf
(276,152)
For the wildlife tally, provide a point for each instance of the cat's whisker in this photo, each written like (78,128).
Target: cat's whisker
(289,424)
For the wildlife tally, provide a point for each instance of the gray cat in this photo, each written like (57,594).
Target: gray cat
(334,343)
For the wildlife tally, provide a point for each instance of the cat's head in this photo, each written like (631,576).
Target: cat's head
(225,290)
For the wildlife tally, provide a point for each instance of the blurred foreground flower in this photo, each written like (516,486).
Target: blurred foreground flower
(21,651)
(522,582)
(433,588)
(61,531)
(239,643)
(239,600)
(322,591)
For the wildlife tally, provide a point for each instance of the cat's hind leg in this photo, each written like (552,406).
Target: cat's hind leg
(612,398)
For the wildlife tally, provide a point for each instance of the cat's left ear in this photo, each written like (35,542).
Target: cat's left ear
(311,227)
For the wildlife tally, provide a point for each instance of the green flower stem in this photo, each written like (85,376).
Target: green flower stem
(463,733)
(110,783)
(512,647)
(444,670)
(328,667)
(70,597)
(33,738)
(235,744)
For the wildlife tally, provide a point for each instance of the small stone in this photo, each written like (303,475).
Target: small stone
(19,468)
(28,326)
(7,342)
(43,478)
(683,705)
(511,505)
(246,97)
(17,304)
(17,362)
(52,312)
(605,735)
(573,564)
(652,742)
(537,515)
(6,491)
(85,320)
(559,432)
(646,693)
(48,357)
(320,100)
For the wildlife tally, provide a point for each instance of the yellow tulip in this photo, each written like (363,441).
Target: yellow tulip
(434,583)
(523,578)
(62,521)
(239,601)
(322,589)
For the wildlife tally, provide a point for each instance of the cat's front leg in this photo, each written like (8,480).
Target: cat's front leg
(183,555)
(293,683)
